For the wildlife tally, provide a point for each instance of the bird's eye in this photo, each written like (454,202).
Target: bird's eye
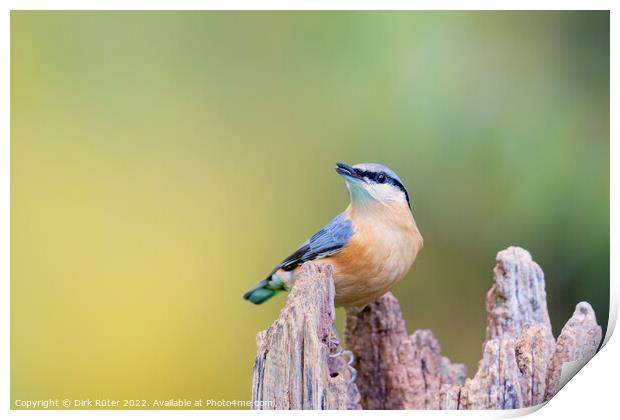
(381,178)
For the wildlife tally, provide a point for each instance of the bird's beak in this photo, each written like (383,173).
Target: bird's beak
(348,171)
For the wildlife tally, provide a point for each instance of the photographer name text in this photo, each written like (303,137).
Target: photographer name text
(134,403)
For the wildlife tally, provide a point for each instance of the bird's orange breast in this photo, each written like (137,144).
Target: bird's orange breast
(380,252)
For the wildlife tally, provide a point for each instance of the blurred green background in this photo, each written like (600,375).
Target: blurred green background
(162,163)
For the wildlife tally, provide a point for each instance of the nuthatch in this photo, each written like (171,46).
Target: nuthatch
(371,245)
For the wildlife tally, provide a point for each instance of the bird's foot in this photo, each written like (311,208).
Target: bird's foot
(335,349)
(352,370)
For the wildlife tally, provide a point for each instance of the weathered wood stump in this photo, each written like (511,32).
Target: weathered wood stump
(293,368)
(395,370)
(521,364)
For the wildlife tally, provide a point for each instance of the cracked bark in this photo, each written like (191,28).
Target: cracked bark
(396,371)
(577,342)
(292,368)
(521,363)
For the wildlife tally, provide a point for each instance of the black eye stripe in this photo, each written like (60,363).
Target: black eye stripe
(401,187)
(388,180)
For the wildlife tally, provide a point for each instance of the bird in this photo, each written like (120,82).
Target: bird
(371,245)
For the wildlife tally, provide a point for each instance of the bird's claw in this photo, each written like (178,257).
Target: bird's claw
(337,353)
(335,349)
(352,370)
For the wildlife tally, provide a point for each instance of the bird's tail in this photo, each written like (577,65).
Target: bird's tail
(264,290)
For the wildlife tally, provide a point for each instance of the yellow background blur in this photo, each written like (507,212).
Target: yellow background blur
(162,163)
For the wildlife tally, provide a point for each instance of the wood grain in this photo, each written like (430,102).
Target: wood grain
(521,365)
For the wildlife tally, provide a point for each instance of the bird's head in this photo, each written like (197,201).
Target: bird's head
(373,183)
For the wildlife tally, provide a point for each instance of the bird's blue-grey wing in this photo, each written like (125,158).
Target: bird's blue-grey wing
(328,241)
